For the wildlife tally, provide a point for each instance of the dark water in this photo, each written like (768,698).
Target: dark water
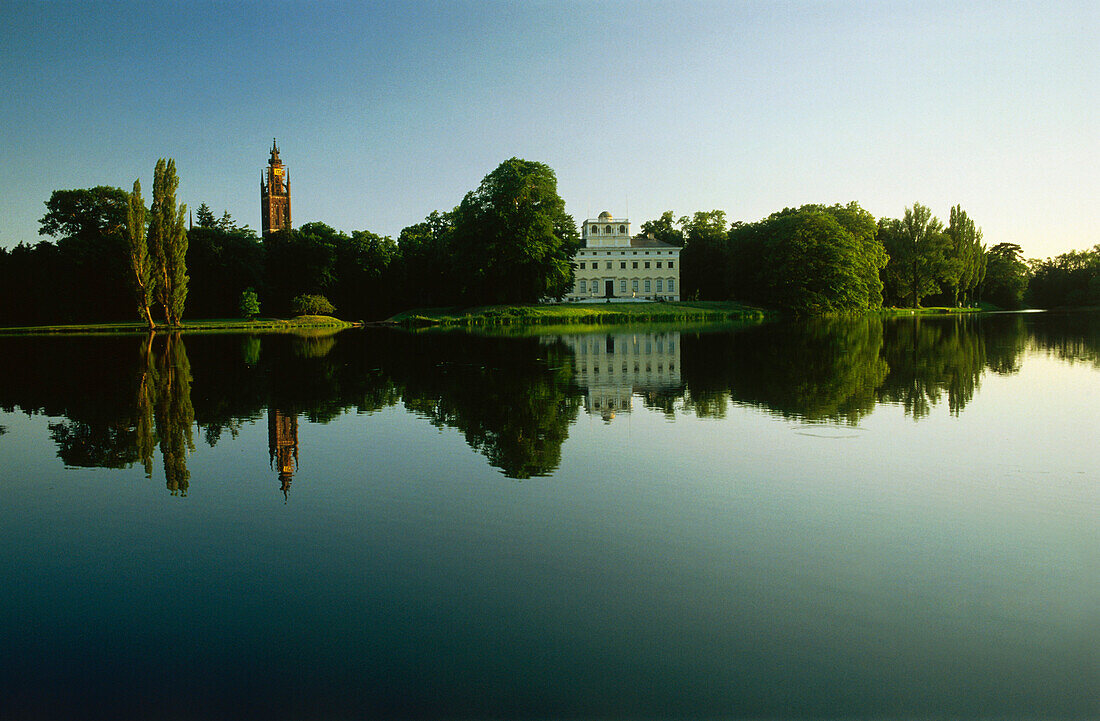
(837,519)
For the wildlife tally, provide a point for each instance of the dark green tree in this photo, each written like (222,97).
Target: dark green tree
(704,261)
(1005,276)
(513,240)
(664,229)
(91,275)
(1070,279)
(222,260)
(426,273)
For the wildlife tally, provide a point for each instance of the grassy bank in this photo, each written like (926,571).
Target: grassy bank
(264,325)
(578,314)
(929,311)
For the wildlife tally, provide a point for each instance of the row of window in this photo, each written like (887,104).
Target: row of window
(610,347)
(648,368)
(621,252)
(596,287)
(622,264)
(596,229)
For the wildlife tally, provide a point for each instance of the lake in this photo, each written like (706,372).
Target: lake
(840,518)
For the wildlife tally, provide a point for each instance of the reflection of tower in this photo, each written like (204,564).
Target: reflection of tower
(282,445)
(275,194)
(614,367)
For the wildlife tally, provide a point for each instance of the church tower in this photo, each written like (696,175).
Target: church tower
(275,194)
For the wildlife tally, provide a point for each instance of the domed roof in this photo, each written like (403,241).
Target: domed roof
(606,215)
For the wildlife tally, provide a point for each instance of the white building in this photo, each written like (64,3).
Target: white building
(613,265)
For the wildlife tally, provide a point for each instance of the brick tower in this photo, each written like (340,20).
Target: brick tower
(275,194)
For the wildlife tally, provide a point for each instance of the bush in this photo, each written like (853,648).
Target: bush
(249,304)
(311,305)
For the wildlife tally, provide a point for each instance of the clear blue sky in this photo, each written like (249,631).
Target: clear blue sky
(387,111)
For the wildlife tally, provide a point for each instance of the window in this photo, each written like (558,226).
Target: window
(647,285)
(622,228)
(595,230)
(658,264)
(659,285)
(670,264)
(608,265)
(622,285)
(582,265)
(634,285)
(671,285)
(647,264)
(607,229)
(622,265)
(584,286)
(635,264)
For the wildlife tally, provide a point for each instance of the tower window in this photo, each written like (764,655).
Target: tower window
(607,229)
(622,228)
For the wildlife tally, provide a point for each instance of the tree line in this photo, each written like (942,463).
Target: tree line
(508,241)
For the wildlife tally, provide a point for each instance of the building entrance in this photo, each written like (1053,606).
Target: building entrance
(609,286)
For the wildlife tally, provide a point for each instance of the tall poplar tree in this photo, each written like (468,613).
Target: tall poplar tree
(140,263)
(168,242)
(966,257)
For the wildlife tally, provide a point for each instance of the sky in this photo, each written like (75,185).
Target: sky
(385,112)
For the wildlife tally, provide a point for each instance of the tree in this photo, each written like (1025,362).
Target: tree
(168,242)
(918,248)
(140,262)
(813,259)
(426,265)
(205,217)
(222,260)
(312,305)
(1070,279)
(93,268)
(965,264)
(250,303)
(664,229)
(1006,276)
(705,257)
(513,240)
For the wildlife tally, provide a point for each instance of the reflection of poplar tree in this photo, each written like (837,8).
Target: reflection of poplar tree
(174,414)
(146,398)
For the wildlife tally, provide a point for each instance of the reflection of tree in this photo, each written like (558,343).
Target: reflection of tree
(824,369)
(1072,337)
(173,413)
(512,399)
(930,357)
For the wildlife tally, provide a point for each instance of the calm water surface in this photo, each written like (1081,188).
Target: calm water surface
(836,519)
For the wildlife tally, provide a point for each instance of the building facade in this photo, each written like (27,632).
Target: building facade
(274,194)
(612,265)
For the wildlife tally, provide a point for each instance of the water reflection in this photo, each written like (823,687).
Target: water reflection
(116,400)
(612,368)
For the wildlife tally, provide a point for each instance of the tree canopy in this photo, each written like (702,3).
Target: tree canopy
(513,240)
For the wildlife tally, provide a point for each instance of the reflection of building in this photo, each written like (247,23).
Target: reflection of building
(611,264)
(614,367)
(282,445)
(275,194)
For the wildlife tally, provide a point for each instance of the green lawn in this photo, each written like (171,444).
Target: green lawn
(578,313)
(202,324)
